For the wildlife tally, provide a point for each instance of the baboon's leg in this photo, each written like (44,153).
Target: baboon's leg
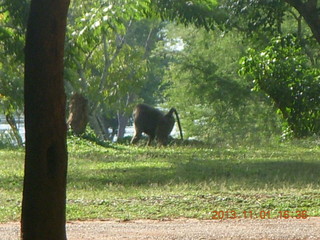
(151,138)
(136,137)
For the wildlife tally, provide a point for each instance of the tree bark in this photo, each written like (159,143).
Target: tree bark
(78,113)
(309,11)
(44,192)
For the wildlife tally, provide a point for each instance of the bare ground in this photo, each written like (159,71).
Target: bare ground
(285,229)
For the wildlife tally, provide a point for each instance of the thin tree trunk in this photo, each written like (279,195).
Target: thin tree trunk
(123,117)
(44,192)
(123,122)
(98,126)
(12,122)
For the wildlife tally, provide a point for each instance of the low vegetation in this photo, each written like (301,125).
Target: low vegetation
(125,182)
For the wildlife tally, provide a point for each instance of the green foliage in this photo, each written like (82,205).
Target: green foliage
(11,86)
(13,21)
(202,13)
(254,17)
(87,139)
(12,29)
(107,53)
(214,104)
(13,15)
(283,72)
(125,182)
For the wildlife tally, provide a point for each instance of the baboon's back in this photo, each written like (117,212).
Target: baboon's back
(146,118)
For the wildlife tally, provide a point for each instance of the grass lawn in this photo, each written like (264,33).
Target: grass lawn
(125,182)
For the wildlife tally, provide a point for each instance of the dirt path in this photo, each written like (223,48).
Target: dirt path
(185,229)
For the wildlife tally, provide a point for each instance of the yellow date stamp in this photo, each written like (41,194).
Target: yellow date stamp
(264,214)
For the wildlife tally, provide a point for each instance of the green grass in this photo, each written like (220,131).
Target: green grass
(125,182)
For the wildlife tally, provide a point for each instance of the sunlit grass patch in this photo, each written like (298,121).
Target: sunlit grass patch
(129,182)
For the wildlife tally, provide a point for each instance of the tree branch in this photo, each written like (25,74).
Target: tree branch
(310,14)
(109,62)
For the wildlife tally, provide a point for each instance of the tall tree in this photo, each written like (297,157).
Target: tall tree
(309,10)
(265,15)
(203,84)
(107,54)
(44,193)
(283,72)
(268,15)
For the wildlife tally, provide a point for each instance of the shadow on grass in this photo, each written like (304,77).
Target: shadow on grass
(153,168)
(11,183)
(247,175)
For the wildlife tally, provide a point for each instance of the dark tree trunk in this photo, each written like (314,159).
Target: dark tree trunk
(310,12)
(44,192)
(78,114)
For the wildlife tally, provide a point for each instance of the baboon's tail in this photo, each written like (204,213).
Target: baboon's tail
(178,120)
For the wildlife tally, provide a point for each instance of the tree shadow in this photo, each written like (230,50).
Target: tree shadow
(244,174)
(11,183)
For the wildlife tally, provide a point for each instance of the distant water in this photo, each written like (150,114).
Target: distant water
(4,127)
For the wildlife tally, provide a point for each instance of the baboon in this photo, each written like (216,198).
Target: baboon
(154,123)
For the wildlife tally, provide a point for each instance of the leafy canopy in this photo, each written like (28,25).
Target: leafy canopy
(202,83)
(284,73)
